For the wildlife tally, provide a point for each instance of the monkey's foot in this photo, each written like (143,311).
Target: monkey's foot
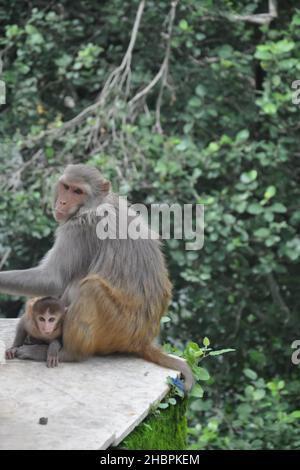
(35,352)
(10,353)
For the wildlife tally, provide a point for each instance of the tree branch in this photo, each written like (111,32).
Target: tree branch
(113,80)
(163,71)
(276,295)
(260,18)
(165,67)
(5,257)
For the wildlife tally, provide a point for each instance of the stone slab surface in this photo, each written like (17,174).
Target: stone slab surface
(89,405)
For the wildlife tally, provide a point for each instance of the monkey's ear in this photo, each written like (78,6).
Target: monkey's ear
(105,186)
(30,303)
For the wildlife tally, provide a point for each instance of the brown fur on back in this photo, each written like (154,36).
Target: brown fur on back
(116,321)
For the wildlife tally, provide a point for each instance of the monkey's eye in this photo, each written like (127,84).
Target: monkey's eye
(41,319)
(52,319)
(78,191)
(66,186)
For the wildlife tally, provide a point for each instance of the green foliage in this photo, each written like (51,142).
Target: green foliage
(229,139)
(258,416)
(166,430)
(193,354)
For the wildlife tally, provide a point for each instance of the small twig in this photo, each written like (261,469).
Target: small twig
(238,319)
(165,67)
(162,74)
(205,60)
(126,62)
(5,257)
(276,295)
(150,85)
(259,18)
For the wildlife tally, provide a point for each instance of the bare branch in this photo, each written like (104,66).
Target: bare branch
(5,257)
(165,67)
(162,74)
(259,18)
(150,85)
(276,295)
(114,79)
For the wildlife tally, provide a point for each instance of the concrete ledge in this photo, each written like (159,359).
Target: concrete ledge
(90,405)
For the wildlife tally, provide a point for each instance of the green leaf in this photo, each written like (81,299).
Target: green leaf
(254,208)
(280,384)
(49,151)
(269,108)
(194,350)
(295,414)
(195,102)
(244,410)
(283,46)
(263,52)
(147,426)
(229,219)
(242,135)
(241,207)
(12,31)
(270,192)
(250,374)
(200,90)
(278,207)
(165,319)
(183,24)
(292,249)
(200,36)
(202,374)
(163,406)
(249,176)
(206,342)
(262,233)
(220,351)
(276,80)
(64,60)
(197,391)
(225,51)
(259,394)
(213,147)
(172,401)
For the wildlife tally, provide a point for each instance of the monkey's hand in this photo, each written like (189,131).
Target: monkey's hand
(52,354)
(35,352)
(52,359)
(10,353)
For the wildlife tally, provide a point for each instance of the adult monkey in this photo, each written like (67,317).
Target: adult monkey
(116,289)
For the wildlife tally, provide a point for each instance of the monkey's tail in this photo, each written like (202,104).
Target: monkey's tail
(154,354)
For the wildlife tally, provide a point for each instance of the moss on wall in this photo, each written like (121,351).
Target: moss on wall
(166,430)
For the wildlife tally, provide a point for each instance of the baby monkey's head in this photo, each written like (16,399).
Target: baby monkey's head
(48,314)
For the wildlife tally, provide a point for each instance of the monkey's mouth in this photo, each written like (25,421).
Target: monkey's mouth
(60,215)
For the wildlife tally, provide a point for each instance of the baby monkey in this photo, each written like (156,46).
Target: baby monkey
(41,323)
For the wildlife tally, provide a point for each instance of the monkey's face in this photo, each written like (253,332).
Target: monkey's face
(70,196)
(48,322)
